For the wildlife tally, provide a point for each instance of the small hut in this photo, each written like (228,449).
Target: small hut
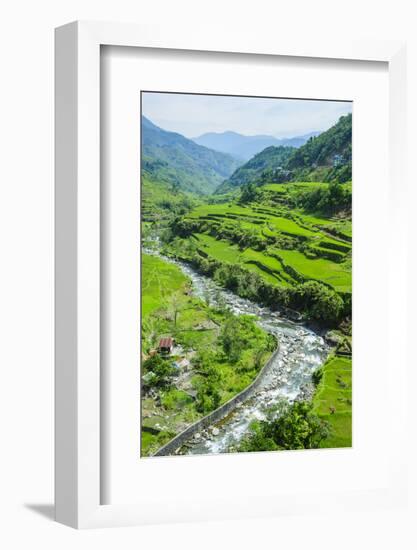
(166,345)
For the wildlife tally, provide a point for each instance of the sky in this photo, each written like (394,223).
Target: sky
(193,115)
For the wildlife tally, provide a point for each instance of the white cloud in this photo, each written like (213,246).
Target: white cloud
(193,115)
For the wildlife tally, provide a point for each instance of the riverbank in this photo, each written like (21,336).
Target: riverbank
(215,355)
(289,375)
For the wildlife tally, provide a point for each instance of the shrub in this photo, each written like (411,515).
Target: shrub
(317,376)
(297,427)
(320,302)
(158,372)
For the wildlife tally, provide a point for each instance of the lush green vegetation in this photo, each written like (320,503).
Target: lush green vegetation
(326,157)
(278,232)
(271,248)
(260,164)
(319,152)
(160,280)
(171,158)
(222,354)
(325,422)
(333,400)
(333,273)
(289,427)
(160,200)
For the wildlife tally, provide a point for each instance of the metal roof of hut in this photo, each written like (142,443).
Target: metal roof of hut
(166,342)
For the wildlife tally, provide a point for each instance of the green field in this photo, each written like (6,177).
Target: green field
(333,401)
(267,267)
(332,273)
(159,279)
(263,234)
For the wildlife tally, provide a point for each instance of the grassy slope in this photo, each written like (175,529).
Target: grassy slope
(265,221)
(159,202)
(171,157)
(225,252)
(335,392)
(332,273)
(159,279)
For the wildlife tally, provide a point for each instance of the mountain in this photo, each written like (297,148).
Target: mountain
(326,157)
(245,147)
(270,159)
(182,163)
(329,153)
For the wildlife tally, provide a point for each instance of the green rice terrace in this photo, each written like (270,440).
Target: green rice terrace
(272,234)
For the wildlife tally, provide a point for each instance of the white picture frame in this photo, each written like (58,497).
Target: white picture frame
(77,242)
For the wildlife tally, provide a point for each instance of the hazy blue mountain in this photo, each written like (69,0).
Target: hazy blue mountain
(245,147)
(174,159)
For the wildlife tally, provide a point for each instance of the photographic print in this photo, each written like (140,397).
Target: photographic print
(246,274)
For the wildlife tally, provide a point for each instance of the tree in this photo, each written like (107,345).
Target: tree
(320,302)
(257,441)
(296,427)
(231,339)
(176,305)
(158,372)
(208,396)
(248,193)
(175,186)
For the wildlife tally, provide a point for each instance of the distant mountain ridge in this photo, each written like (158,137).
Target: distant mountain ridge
(245,147)
(182,163)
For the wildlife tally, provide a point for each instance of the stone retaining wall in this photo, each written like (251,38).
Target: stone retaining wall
(216,415)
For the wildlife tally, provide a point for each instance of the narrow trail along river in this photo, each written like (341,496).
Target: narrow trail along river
(288,376)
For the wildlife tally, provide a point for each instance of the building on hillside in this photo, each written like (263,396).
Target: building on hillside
(338,160)
(166,345)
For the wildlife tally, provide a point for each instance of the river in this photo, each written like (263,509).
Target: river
(287,377)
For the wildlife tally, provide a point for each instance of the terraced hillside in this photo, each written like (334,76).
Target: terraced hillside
(333,400)
(286,245)
(273,236)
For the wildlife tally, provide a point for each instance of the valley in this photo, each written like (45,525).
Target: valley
(251,278)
